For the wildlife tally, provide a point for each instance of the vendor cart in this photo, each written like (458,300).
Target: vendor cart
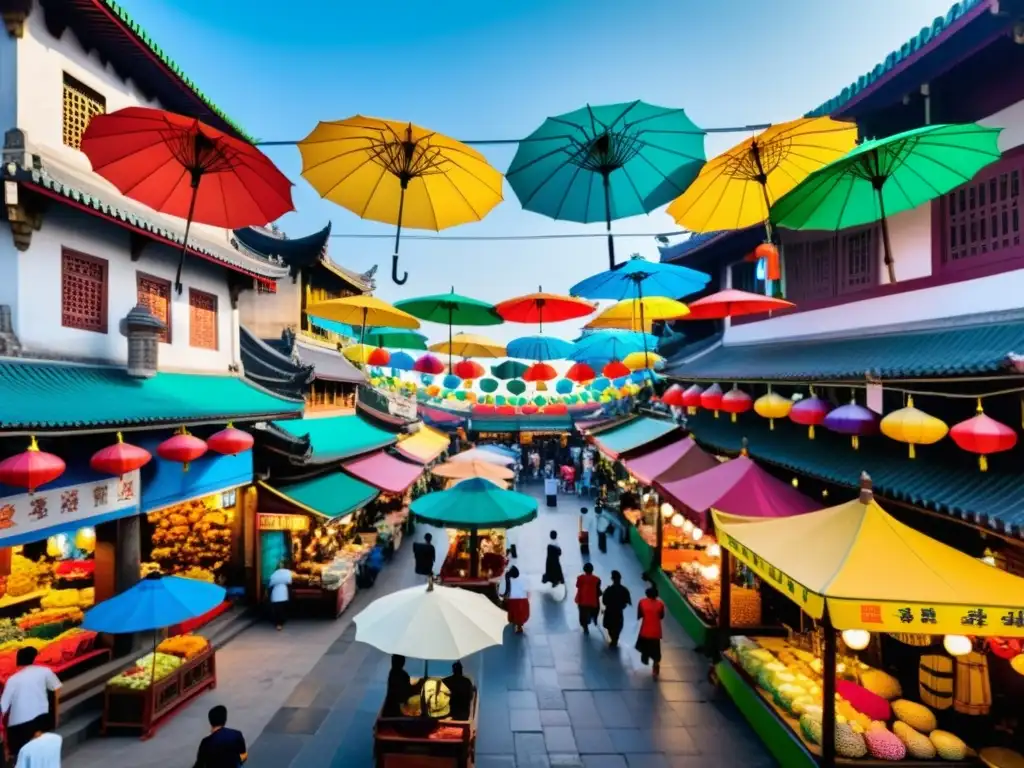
(423,742)
(467,567)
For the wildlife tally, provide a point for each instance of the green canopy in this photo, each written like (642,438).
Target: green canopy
(334,496)
(395,337)
(475,504)
(488,385)
(451,309)
(510,369)
(516,386)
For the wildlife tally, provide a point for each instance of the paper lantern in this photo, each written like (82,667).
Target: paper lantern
(614,370)
(451,381)
(488,385)
(677,520)
(506,410)
(983,435)
(433,390)
(772,265)
(120,458)
(853,420)
(772,406)
(564,386)
(540,372)
(580,372)
(673,396)
(230,441)
(736,401)
(529,410)
(691,398)
(856,639)
(809,412)
(31,469)
(711,399)
(182,448)
(541,386)
(957,645)
(378,356)
(914,427)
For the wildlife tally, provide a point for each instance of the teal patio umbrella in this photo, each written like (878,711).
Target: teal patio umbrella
(602,163)
(885,176)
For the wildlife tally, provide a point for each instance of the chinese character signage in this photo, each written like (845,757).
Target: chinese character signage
(293,523)
(924,619)
(27,517)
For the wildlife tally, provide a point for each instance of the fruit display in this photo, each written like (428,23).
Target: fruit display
(50,622)
(140,675)
(68,598)
(10,631)
(184,646)
(700,583)
(74,570)
(191,538)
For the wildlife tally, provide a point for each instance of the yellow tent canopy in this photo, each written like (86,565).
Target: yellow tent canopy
(876,573)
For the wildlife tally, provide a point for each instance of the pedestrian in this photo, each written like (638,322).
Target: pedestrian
(279,582)
(423,555)
(551,490)
(588,597)
(586,524)
(601,524)
(615,598)
(43,751)
(650,612)
(553,564)
(373,566)
(26,701)
(517,599)
(224,747)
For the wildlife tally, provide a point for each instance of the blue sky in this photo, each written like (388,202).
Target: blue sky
(486,69)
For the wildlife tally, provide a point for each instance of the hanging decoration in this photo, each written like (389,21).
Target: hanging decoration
(540,386)
(516,386)
(983,435)
(556,409)
(483,410)
(183,448)
(736,401)
(711,399)
(773,406)
(488,385)
(691,398)
(614,370)
(540,372)
(506,410)
(914,427)
(230,441)
(451,381)
(673,396)
(580,372)
(32,468)
(529,409)
(429,364)
(564,386)
(120,458)
(853,420)
(809,412)
(639,361)
(468,370)
(769,254)
(378,356)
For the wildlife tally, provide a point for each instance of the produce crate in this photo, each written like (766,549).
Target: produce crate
(145,709)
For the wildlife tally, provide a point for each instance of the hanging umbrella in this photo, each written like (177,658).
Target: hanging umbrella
(639,361)
(540,306)
(396,338)
(607,162)
(479,454)
(638,278)
(428,364)
(469,345)
(564,386)
(540,372)
(451,309)
(360,354)
(362,312)
(733,303)
(474,505)
(153,603)
(886,176)
(462,470)
(401,361)
(600,347)
(399,173)
(510,369)
(634,314)
(539,348)
(182,167)
(580,372)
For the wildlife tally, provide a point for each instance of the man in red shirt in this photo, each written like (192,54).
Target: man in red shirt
(650,612)
(588,597)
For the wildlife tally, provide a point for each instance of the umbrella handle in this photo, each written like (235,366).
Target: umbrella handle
(394,271)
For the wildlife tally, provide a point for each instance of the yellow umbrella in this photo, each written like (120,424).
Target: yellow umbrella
(637,361)
(735,189)
(399,173)
(358,353)
(639,314)
(470,345)
(362,312)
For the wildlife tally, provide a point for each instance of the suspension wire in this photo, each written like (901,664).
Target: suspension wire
(485,238)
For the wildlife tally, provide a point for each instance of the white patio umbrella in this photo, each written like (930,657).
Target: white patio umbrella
(479,454)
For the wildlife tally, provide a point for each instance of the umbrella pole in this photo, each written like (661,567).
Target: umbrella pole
(608,220)
(474,559)
(450,311)
(890,265)
(398,236)
(188,226)
(643,326)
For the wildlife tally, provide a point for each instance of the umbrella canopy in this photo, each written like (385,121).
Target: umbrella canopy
(428,364)
(887,176)
(540,372)
(462,470)
(401,361)
(733,303)
(359,353)
(638,361)
(510,369)
(638,278)
(451,309)
(736,189)
(539,348)
(155,602)
(580,372)
(602,163)
(475,503)
(479,454)
(539,307)
(362,312)
(639,314)
(431,622)
(396,338)
(182,167)
(600,347)
(469,345)
(399,173)
(501,450)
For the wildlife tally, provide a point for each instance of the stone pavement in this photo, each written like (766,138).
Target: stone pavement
(549,697)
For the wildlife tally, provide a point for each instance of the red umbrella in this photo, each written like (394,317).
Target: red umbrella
(540,372)
(615,370)
(428,364)
(734,303)
(378,357)
(468,369)
(580,372)
(182,167)
(543,307)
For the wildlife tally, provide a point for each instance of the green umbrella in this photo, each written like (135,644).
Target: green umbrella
(510,369)
(451,309)
(885,176)
(488,385)
(475,504)
(499,399)
(516,386)
(397,338)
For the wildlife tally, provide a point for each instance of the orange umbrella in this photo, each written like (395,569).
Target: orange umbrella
(732,303)
(540,306)
(461,470)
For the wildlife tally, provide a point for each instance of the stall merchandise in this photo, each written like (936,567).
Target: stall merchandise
(325,568)
(192,539)
(456,569)
(431,735)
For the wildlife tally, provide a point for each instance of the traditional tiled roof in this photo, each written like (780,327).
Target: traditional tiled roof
(41,396)
(328,365)
(300,252)
(271,369)
(335,438)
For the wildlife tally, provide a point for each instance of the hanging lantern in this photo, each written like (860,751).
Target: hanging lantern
(711,399)
(31,469)
(772,264)
(691,398)
(983,435)
(230,441)
(856,639)
(541,386)
(120,458)
(614,370)
(529,410)
(516,386)
(506,410)
(673,396)
(736,401)
(488,385)
(378,356)
(809,412)
(909,425)
(772,406)
(853,420)
(484,410)
(563,386)
(540,372)
(451,381)
(580,372)
(1005,647)
(183,448)
(957,645)
(639,361)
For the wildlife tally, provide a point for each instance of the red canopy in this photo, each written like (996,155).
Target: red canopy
(384,471)
(648,466)
(733,303)
(737,487)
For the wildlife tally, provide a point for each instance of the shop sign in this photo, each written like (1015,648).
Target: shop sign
(293,523)
(74,504)
(927,619)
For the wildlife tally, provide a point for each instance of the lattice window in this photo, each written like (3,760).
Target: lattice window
(858,260)
(154,293)
(202,325)
(83,288)
(81,104)
(809,269)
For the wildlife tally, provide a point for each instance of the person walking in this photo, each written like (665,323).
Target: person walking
(424,554)
(551,490)
(615,598)
(650,612)
(553,563)
(586,526)
(26,700)
(517,599)
(588,597)
(279,582)
(601,524)
(224,747)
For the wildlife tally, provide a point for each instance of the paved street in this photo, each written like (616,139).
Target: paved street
(550,697)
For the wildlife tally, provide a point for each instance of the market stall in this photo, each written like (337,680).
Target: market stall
(903,652)
(423,446)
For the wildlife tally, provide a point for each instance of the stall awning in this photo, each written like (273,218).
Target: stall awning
(528,423)
(876,573)
(424,445)
(333,496)
(338,437)
(636,434)
(647,466)
(440,418)
(737,487)
(384,471)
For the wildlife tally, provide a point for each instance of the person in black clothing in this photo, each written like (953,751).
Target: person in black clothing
(423,555)
(462,691)
(224,747)
(400,688)
(616,597)
(553,564)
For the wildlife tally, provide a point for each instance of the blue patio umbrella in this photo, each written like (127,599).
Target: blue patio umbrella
(638,278)
(154,603)
(601,347)
(603,163)
(401,361)
(539,348)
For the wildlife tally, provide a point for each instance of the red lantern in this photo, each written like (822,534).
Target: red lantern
(183,448)
(673,396)
(580,372)
(772,265)
(711,399)
(809,412)
(484,410)
(468,370)
(556,409)
(736,401)
(615,370)
(983,435)
(120,458)
(506,410)
(230,441)
(691,398)
(529,410)
(31,469)
(540,372)
(378,357)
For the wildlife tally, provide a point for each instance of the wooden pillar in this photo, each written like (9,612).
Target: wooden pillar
(828,692)
(118,566)
(659,538)
(725,601)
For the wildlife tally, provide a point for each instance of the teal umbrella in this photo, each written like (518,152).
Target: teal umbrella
(396,338)
(516,386)
(607,162)
(885,176)
(510,369)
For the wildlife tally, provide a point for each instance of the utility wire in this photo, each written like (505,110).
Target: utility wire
(484,238)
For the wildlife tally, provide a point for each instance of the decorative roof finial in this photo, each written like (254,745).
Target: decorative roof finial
(743,449)
(866,493)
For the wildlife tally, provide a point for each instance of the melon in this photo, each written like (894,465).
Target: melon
(917,716)
(884,745)
(948,746)
(849,743)
(873,706)
(811,727)
(918,745)
(881,684)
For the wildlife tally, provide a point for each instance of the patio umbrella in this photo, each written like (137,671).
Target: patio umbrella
(479,454)
(602,163)
(539,348)
(451,309)
(474,505)
(886,176)
(510,369)
(638,278)
(396,338)
(399,173)
(639,314)
(540,306)
(469,345)
(602,346)
(733,303)
(362,312)
(182,167)
(462,470)
(155,602)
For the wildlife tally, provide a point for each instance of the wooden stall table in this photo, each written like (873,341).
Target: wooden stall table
(422,742)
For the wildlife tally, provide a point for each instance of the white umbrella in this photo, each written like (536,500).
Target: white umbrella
(431,622)
(479,454)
